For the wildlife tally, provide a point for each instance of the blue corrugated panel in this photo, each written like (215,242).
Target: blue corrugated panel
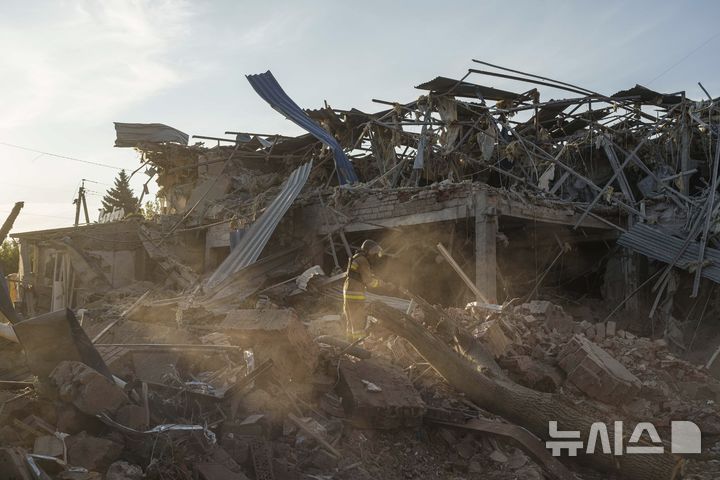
(270,90)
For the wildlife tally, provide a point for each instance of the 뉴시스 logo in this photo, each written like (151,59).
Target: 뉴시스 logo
(685,439)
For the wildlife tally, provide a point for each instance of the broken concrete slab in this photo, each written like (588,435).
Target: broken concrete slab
(93,453)
(89,391)
(49,445)
(596,373)
(397,404)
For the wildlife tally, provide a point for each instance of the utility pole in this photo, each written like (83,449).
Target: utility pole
(10,220)
(81,200)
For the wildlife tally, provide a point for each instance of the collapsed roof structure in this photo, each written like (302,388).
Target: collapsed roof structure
(478,194)
(632,162)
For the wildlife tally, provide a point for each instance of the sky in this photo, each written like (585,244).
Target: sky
(69,68)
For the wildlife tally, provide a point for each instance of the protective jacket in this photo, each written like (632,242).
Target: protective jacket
(359,279)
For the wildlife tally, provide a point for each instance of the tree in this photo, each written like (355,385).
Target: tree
(523,406)
(152,209)
(9,256)
(120,196)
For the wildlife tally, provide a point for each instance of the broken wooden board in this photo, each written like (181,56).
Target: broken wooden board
(377,394)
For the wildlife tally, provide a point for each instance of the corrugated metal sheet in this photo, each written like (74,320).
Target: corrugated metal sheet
(649,96)
(247,281)
(270,90)
(251,245)
(466,89)
(130,134)
(659,245)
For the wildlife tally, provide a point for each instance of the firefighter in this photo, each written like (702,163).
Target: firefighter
(359,279)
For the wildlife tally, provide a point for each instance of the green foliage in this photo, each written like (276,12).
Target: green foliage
(152,209)
(9,256)
(120,196)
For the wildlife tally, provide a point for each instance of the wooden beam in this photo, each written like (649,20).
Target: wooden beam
(315,435)
(478,294)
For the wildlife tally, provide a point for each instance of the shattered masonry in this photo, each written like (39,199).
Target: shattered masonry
(579,234)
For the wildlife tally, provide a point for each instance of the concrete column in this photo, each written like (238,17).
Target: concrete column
(485,247)
(630,263)
(629,269)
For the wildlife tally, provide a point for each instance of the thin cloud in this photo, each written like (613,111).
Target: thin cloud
(91,60)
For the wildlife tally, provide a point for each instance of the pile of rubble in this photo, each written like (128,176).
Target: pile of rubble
(546,349)
(274,392)
(207,343)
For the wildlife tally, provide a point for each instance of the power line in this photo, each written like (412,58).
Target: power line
(21,185)
(685,57)
(93,181)
(40,215)
(60,156)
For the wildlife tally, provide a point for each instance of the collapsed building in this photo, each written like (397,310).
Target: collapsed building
(579,233)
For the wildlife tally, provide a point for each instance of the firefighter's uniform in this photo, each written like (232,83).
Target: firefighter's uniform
(359,279)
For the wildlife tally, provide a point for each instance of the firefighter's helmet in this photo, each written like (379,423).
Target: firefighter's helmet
(371,249)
